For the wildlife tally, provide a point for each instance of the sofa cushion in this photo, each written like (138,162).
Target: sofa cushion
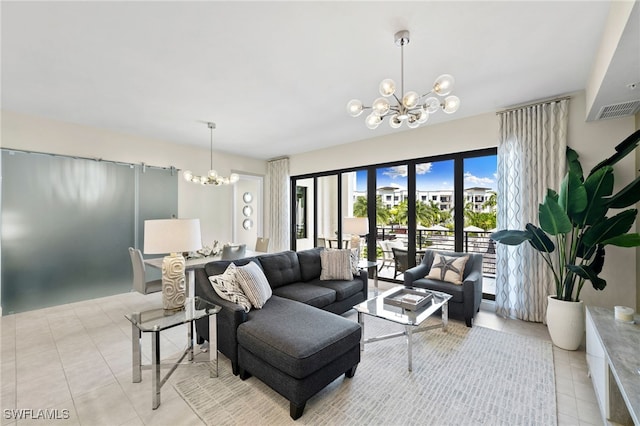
(227,287)
(254,284)
(307,293)
(343,289)
(336,264)
(456,291)
(281,268)
(285,334)
(448,268)
(310,264)
(218,267)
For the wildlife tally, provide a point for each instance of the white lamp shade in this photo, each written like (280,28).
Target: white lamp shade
(171,236)
(355,225)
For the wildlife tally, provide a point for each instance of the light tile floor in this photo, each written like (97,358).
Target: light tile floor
(77,357)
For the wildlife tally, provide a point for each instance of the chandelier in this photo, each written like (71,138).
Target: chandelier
(212,178)
(413,108)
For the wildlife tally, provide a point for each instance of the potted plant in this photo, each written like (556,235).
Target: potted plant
(574,228)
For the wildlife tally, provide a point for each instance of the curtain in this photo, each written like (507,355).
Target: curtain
(279,200)
(531,158)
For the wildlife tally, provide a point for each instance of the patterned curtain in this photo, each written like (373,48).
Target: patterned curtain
(531,158)
(279,200)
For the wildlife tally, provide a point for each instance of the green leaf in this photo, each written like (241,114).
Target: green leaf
(598,261)
(539,239)
(628,195)
(622,150)
(552,194)
(573,164)
(624,240)
(553,219)
(612,227)
(573,196)
(598,186)
(586,272)
(511,237)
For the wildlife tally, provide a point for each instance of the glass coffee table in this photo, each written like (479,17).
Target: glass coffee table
(156,320)
(410,318)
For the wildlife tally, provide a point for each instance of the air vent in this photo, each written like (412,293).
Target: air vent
(619,110)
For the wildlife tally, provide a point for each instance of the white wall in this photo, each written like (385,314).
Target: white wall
(594,141)
(212,204)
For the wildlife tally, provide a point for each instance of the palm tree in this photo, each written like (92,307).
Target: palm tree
(382,212)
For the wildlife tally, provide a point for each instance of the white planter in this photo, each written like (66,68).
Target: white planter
(565,321)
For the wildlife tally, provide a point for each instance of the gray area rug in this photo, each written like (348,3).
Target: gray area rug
(463,376)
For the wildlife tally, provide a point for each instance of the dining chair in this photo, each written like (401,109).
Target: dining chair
(140,284)
(322,242)
(262,244)
(233,252)
(401,260)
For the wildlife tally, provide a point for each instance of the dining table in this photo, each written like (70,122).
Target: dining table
(191,264)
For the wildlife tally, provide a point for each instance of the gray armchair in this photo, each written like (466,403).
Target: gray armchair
(466,298)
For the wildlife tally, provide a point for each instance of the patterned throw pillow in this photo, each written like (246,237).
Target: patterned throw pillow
(228,287)
(448,268)
(355,259)
(336,264)
(254,284)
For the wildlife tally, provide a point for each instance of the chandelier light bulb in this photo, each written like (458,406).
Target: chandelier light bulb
(380,107)
(234,177)
(423,116)
(451,104)
(412,122)
(443,84)
(372,121)
(187,174)
(213,174)
(395,121)
(431,104)
(387,87)
(354,107)
(410,99)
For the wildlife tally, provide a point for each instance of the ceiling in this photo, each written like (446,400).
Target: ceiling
(276,76)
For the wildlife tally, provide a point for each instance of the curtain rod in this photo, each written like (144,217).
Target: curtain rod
(99,160)
(550,101)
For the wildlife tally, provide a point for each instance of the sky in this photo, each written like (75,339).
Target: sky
(478,171)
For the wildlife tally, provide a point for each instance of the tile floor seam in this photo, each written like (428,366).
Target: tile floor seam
(64,371)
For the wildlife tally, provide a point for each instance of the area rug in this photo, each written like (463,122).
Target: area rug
(465,376)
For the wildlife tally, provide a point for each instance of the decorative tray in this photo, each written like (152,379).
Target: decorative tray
(409,299)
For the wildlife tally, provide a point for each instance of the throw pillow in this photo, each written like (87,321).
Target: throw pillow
(228,288)
(448,268)
(254,284)
(336,264)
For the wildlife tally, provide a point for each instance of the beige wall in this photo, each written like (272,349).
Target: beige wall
(594,141)
(213,205)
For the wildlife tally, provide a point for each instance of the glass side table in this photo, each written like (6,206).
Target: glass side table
(154,321)
(368,264)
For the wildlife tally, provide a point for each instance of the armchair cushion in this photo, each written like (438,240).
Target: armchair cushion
(448,268)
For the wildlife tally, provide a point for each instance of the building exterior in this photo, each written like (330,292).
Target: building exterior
(392,196)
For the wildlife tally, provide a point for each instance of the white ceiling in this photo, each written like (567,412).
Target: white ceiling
(276,76)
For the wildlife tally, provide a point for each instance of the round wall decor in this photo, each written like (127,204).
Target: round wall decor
(247,224)
(247,211)
(247,197)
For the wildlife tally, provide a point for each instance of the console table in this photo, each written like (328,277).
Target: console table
(613,357)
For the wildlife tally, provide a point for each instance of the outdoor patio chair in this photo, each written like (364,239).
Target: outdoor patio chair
(401,260)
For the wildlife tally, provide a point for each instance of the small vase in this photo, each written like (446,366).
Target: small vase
(565,321)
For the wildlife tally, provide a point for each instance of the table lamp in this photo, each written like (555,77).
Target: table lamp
(173,236)
(355,226)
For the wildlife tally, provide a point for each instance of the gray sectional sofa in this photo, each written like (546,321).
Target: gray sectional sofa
(295,343)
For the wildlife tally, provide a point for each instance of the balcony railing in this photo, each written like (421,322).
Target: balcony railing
(473,242)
